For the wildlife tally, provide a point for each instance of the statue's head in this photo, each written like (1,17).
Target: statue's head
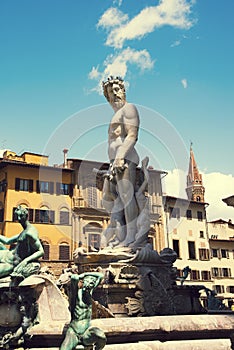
(89,283)
(114,91)
(21,213)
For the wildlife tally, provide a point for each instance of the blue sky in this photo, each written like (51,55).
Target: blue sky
(175,55)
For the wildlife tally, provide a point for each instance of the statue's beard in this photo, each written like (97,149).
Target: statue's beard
(118,104)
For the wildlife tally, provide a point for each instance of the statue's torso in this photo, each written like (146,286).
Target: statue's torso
(117,134)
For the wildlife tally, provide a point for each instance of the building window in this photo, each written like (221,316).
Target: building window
(230,289)
(64,217)
(204,254)
(224,253)
(198,199)
(23,185)
(216,272)
(215,253)
(219,289)
(46,248)
(226,272)
(176,247)
(44,216)
(45,187)
(195,275)
(199,216)
(1,214)
(202,234)
(92,196)
(205,275)
(189,214)
(94,241)
(64,251)
(174,212)
(62,188)
(191,250)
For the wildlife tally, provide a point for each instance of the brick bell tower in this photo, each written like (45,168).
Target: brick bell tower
(195,189)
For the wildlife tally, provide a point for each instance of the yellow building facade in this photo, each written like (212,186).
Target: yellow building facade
(46,191)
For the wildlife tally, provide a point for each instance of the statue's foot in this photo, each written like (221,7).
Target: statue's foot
(126,243)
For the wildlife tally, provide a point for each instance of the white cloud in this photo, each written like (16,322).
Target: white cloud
(120,28)
(184,83)
(174,183)
(176,43)
(94,74)
(217,186)
(175,13)
(117,64)
(112,18)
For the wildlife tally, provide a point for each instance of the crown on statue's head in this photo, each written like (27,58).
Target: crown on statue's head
(110,81)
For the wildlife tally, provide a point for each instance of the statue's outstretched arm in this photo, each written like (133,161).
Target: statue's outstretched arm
(8,240)
(99,276)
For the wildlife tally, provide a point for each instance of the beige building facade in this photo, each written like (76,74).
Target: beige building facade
(221,240)
(206,247)
(187,234)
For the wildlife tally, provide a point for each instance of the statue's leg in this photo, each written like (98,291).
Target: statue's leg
(108,196)
(30,269)
(70,341)
(94,336)
(126,189)
(5,269)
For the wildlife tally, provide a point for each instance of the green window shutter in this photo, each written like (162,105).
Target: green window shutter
(71,190)
(38,186)
(30,215)
(51,188)
(58,188)
(51,214)
(37,215)
(17,184)
(30,185)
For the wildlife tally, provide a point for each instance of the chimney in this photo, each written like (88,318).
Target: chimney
(65,151)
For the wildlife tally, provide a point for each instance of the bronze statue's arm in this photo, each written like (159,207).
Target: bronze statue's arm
(99,276)
(8,240)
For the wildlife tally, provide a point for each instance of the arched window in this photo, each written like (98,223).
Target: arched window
(44,215)
(64,216)
(198,199)
(46,248)
(64,251)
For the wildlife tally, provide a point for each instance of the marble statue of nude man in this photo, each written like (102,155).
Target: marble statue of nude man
(122,137)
